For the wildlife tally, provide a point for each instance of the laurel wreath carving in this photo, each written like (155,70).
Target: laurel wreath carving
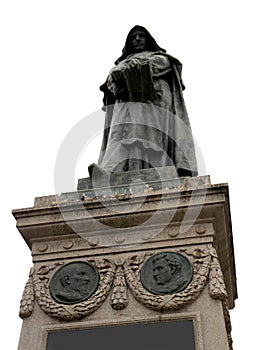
(38,285)
(122,274)
(175,301)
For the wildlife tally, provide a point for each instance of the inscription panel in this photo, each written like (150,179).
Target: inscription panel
(167,335)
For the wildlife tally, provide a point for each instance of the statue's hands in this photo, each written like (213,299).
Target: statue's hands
(134,67)
(117,83)
(116,75)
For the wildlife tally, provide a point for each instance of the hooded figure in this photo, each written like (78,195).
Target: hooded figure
(146,122)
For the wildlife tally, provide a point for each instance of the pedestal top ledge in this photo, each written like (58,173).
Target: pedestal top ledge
(191,200)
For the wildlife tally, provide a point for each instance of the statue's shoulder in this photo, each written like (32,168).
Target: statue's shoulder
(178,68)
(172,59)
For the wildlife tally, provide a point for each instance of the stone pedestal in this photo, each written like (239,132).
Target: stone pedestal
(116,235)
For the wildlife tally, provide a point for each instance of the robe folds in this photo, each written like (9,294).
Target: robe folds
(146,121)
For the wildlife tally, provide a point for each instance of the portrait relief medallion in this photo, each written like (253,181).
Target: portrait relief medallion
(74,282)
(166,273)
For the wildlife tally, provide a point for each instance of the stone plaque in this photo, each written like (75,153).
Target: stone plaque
(166,273)
(167,335)
(74,282)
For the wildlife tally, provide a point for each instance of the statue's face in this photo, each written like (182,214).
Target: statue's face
(78,280)
(162,271)
(138,41)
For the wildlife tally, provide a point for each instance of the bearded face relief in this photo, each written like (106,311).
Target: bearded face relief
(74,282)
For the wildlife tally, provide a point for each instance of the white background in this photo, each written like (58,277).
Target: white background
(54,56)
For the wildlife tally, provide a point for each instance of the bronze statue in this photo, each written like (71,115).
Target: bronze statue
(146,123)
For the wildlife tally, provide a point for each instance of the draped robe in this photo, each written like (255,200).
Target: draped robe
(146,121)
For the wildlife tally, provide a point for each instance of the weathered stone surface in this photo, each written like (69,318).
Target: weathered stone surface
(117,236)
(158,178)
(127,177)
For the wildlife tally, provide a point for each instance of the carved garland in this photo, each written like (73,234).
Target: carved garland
(176,301)
(64,312)
(119,297)
(217,290)
(27,301)
(116,276)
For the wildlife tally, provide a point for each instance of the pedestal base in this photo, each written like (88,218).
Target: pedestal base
(119,238)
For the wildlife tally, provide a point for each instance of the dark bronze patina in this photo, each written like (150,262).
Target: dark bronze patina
(146,122)
(74,282)
(166,273)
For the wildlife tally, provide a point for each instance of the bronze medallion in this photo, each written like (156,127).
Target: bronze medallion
(74,282)
(166,273)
